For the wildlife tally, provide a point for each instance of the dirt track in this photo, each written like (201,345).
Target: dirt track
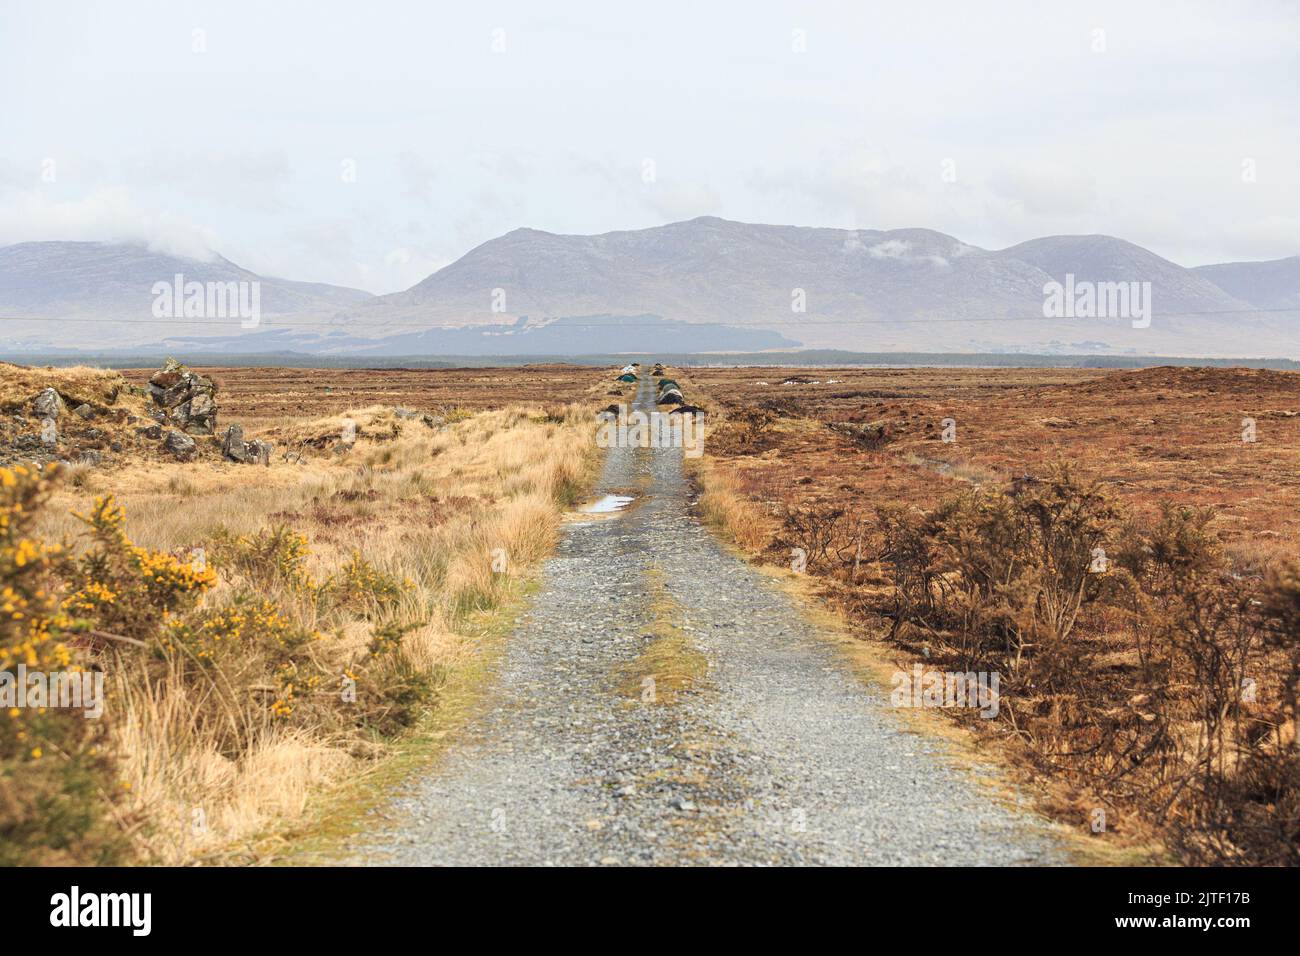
(779,756)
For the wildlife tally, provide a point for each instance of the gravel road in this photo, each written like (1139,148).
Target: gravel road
(781,756)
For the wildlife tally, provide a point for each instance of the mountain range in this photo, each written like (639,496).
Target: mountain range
(706,284)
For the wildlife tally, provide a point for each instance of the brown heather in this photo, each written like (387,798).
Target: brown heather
(1104,541)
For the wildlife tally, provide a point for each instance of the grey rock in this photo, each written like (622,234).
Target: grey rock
(180,445)
(234,448)
(202,405)
(48,404)
(184,398)
(233,445)
(260,451)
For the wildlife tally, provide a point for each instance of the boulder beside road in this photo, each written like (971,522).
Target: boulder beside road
(185,398)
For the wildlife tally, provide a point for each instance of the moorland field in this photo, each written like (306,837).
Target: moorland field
(1118,545)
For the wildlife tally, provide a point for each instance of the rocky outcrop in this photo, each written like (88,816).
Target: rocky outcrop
(47,404)
(184,398)
(234,448)
(58,417)
(233,445)
(180,445)
(259,452)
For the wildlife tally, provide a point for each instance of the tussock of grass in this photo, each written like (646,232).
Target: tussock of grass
(669,664)
(77,384)
(409,538)
(727,509)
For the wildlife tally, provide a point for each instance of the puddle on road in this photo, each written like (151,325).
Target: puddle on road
(606,506)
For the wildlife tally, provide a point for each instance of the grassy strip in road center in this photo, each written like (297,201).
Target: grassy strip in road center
(669,664)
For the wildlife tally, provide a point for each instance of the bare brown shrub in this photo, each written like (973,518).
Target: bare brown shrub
(1177,702)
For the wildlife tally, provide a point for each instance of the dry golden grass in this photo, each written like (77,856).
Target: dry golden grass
(725,507)
(77,383)
(461,508)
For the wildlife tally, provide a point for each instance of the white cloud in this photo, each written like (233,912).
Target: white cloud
(890,249)
(901,250)
(106,215)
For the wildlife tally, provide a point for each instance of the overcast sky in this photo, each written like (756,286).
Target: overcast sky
(236,125)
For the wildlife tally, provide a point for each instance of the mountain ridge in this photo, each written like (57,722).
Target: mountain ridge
(899,289)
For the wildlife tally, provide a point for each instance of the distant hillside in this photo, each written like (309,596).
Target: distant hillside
(1265,285)
(903,289)
(1106,259)
(717,284)
(112,284)
(580,335)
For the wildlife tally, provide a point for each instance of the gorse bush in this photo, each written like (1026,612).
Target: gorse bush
(1217,654)
(274,557)
(58,792)
(1009,572)
(750,429)
(124,590)
(1139,658)
(243,670)
(360,584)
(816,532)
(146,619)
